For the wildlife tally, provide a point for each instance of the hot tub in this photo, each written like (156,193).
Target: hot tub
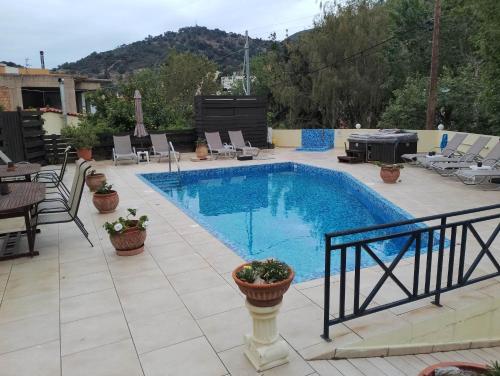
(386,145)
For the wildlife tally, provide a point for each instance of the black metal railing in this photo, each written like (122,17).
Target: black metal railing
(439,236)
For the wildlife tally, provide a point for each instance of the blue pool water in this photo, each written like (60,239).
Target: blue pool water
(280,210)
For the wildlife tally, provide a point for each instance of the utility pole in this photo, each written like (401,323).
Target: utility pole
(432,100)
(246,65)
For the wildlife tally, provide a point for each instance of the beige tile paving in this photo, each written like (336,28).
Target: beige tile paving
(87,305)
(191,358)
(20,334)
(93,332)
(212,301)
(162,330)
(116,359)
(177,306)
(29,306)
(149,303)
(39,360)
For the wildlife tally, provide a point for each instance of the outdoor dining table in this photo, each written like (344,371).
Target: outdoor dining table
(21,170)
(23,197)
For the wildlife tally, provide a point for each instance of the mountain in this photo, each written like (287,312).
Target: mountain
(217,45)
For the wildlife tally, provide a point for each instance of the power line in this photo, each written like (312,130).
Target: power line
(354,55)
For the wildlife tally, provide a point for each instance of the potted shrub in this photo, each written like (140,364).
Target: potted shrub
(94,180)
(201,148)
(455,368)
(264,282)
(83,138)
(105,198)
(390,172)
(128,234)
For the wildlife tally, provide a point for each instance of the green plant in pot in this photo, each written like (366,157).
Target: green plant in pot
(83,138)
(105,198)
(264,283)
(201,148)
(94,180)
(127,234)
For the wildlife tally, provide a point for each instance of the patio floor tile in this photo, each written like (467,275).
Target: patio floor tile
(181,264)
(173,249)
(188,282)
(39,360)
(16,335)
(237,364)
(87,305)
(150,303)
(168,328)
(84,284)
(191,358)
(213,300)
(116,359)
(141,282)
(29,306)
(93,332)
(226,330)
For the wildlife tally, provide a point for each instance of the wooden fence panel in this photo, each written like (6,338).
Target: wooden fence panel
(54,146)
(230,113)
(33,135)
(183,140)
(21,135)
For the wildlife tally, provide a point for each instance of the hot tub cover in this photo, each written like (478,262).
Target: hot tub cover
(384,136)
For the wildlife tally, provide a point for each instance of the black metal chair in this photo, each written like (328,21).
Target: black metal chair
(64,209)
(51,177)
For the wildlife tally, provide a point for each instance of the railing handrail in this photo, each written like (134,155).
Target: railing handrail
(172,151)
(411,221)
(414,231)
(425,240)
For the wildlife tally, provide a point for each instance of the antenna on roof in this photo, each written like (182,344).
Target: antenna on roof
(42,60)
(246,66)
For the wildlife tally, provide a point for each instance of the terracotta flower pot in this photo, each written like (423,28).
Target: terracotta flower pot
(106,203)
(479,368)
(389,175)
(94,182)
(130,242)
(85,154)
(201,151)
(263,295)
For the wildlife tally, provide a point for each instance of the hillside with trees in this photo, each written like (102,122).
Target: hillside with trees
(365,61)
(368,61)
(217,45)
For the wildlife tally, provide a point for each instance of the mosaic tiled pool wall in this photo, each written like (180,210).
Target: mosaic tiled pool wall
(317,139)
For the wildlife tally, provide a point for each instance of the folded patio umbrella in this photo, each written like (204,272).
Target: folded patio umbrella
(140,130)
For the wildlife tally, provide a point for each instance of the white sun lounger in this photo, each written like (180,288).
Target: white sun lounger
(216,146)
(448,151)
(488,162)
(161,147)
(471,154)
(123,150)
(238,143)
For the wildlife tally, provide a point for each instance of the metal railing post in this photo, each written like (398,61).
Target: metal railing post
(326,306)
(439,271)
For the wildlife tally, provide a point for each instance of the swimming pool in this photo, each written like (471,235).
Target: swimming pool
(280,210)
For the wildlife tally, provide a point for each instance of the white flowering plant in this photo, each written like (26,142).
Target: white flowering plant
(122,224)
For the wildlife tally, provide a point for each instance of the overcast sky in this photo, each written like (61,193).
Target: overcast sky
(68,30)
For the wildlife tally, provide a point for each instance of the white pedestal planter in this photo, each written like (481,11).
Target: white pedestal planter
(264,347)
